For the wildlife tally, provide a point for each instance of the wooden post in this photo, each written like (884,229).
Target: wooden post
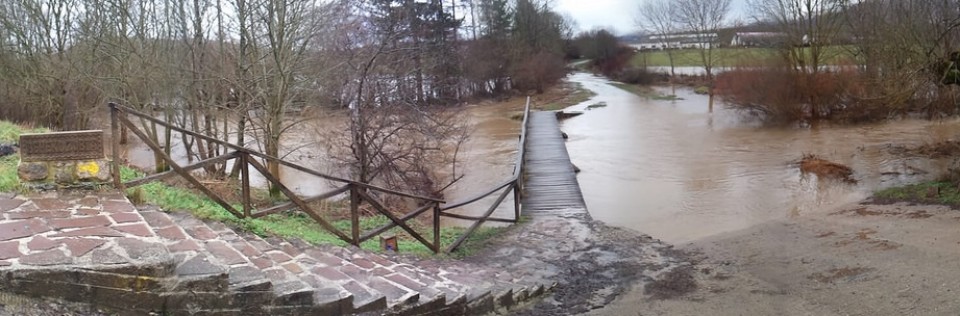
(245,183)
(115,145)
(436,227)
(516,201)
(355,214)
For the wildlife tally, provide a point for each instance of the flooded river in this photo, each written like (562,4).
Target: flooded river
(671,169)
(676,171)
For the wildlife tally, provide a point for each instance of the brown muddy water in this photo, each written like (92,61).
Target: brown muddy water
(676,171)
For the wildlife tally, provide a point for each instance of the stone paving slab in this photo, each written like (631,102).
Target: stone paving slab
(46,230)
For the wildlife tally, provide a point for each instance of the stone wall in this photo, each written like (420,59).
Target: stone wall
(41,174)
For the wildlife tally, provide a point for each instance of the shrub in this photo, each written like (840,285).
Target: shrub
(781,94)
(636,75)
(539,71)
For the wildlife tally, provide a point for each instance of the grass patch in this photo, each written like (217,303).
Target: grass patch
(642,91)
(9,182)
(646,92)
(666,97)
(576,94)
(734,56)
(597,105)
(299,225)
(933,192)
(9,134)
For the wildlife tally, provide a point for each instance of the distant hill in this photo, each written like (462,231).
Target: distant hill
(633,38)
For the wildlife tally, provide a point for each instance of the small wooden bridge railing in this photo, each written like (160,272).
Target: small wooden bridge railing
(359,193)
(514,184)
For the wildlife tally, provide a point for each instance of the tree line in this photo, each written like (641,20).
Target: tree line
(234,68)
(60,57)
(900,55)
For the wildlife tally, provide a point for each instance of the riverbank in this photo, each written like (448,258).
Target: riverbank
(789,243)
(860,259)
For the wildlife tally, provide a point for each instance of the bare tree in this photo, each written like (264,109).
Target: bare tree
(282,35)
(703,18)
(392,137)
(809,26)
(659,17)
(902,46)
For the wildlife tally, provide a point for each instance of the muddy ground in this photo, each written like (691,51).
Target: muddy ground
(856,260)
(591,263)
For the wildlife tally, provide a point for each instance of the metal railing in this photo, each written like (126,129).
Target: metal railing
(359,193)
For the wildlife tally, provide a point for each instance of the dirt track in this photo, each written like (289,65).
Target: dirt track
(857,260)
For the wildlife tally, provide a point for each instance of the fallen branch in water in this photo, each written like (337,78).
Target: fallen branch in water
(823,168)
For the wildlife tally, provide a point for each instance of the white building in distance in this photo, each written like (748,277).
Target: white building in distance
(679,41)
(758,39)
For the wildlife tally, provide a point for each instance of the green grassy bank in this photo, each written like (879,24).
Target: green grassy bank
(9,134)
(933,192)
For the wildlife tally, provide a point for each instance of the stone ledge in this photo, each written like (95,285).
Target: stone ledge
(66,173)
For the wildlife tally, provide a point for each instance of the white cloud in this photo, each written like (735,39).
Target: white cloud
(616,14)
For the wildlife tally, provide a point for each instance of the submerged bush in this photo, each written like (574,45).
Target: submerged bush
(636,75)
(781,94)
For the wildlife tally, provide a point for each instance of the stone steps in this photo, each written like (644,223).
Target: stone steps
(206,266)
(358,281)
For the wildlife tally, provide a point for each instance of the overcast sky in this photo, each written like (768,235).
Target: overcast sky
(618,15)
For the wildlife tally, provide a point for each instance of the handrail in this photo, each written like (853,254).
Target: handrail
(479,196)
(514,183)
(195,166)
(516,168)
(357,190)
(521,146)
(128,110)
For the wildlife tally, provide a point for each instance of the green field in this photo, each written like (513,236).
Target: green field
(732,57)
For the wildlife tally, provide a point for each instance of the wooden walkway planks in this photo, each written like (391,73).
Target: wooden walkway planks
(550,182)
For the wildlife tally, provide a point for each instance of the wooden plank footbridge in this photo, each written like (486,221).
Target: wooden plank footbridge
(543,180)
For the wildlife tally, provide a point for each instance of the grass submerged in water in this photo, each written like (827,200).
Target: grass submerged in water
(932,192)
